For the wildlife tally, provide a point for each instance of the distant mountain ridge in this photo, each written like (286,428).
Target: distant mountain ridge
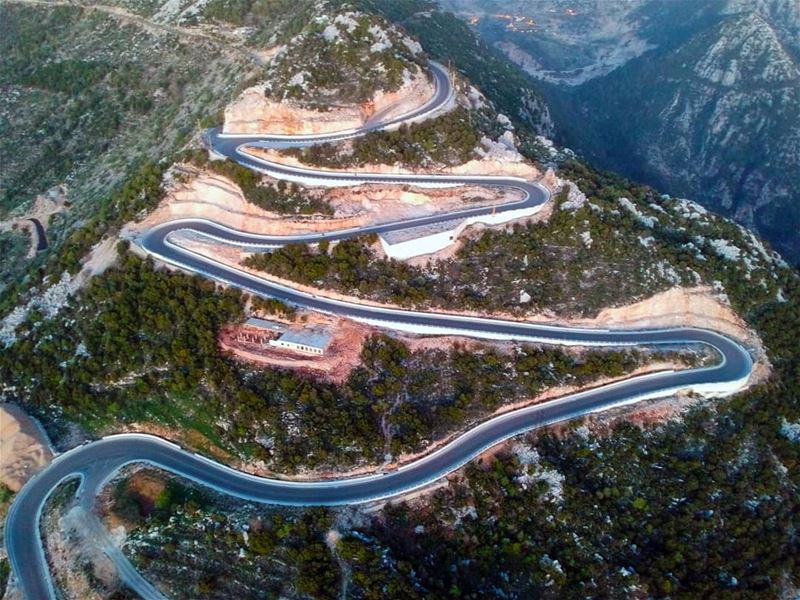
(710,110)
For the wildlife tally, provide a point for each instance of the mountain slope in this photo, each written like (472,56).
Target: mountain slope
(448,39)
(718,120)
(342,58)
(88,93)
(711,109)
(704,506)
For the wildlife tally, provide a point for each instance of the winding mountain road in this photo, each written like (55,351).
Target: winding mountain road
(96,462)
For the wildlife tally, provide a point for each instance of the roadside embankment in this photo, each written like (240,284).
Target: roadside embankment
(253,112)
(206,195)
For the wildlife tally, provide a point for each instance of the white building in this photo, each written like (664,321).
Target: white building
(308,341)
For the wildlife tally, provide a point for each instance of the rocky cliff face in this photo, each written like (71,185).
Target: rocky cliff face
(728,120)
(716,118)
(254,112)
(701,99)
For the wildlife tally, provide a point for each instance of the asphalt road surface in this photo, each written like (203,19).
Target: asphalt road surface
(41,236)
(96,462)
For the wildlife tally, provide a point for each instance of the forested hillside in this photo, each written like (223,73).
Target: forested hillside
(89,96)
(703,504)
(447,38)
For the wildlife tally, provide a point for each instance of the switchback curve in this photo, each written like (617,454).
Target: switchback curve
(96,462)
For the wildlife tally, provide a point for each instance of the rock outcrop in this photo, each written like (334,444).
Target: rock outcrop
(254,112)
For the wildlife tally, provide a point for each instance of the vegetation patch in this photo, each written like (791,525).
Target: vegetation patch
(248,550)
(278,197)
(446,140)
(142,192)
(449,39)
(343,54)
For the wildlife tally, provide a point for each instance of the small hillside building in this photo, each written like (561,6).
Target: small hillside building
(307,341)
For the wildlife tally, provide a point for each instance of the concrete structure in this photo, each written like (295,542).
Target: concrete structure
(264,324)
(308,341)
(428,242)
(259,331)
(272,333)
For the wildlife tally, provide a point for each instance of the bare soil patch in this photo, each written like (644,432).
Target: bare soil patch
(486,166)
(253,112)
(24,450)
(198,193)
